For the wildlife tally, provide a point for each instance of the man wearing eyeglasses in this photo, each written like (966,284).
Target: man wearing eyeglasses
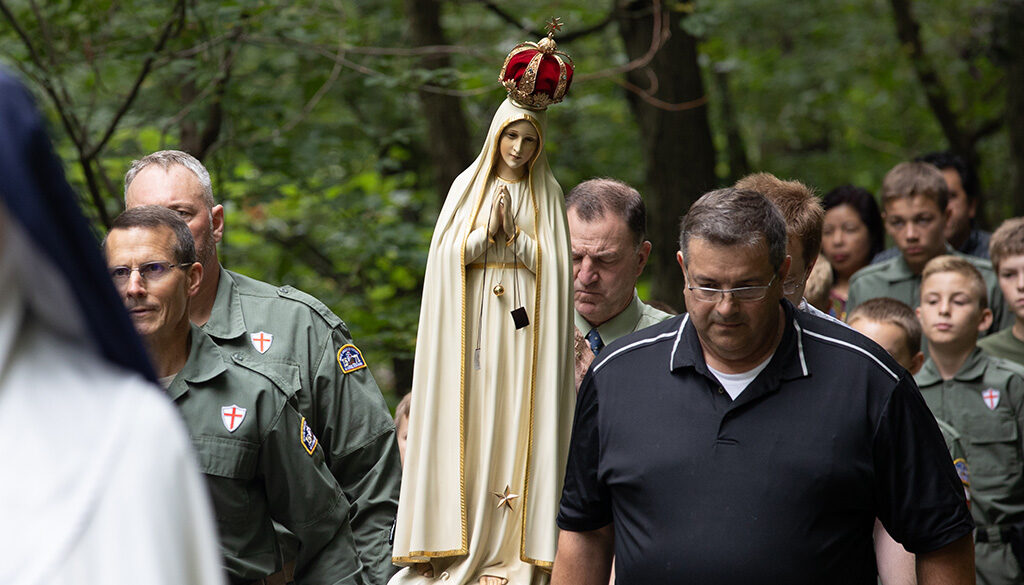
(747,442)
(288,330)
(261,459)
(915,198)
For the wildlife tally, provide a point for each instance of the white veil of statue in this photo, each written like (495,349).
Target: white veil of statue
(493,393)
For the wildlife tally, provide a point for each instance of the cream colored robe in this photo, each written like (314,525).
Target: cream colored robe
(472,432)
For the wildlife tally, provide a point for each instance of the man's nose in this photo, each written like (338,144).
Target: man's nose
(136,285)
(587,274)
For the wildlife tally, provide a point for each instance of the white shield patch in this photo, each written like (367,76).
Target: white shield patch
(232,416)
(991,397)
(261,340)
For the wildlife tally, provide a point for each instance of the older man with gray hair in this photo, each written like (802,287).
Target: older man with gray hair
(747,442)
(301,339)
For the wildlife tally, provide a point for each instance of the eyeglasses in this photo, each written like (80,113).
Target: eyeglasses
(149,271)
(743,294)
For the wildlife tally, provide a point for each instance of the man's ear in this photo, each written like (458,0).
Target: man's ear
(217,223)
(643,253)
(810,267)
(195,278)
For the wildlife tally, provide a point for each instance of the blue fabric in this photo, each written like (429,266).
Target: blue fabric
(595,341)
(36,195)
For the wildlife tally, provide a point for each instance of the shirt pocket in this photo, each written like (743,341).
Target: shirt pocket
(230,467)
(994,442)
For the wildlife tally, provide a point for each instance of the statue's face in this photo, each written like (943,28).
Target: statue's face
(519,142)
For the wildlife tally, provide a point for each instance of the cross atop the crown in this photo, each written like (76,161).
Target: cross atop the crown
(554,25)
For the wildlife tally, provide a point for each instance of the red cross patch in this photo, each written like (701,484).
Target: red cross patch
(991,397)
(232,416)
(261,340)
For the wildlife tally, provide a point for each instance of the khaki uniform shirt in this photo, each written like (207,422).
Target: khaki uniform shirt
(262,463)
(636,316)
(295,335)
(984,401)
(1003,344)
(894,279)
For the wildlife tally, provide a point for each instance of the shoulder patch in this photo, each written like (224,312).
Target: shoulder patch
(306,437)
(962,472)
(350,358)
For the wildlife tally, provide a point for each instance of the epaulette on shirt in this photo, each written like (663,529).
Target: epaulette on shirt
(1005,364)
(285,376)
(294,294)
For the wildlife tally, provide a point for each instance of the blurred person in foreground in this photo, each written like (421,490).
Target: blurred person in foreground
(100,485)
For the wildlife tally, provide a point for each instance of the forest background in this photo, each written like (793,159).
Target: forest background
(333,128)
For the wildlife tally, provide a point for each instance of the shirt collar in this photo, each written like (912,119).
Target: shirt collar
(898,269)
(619,325)
(788,363)
(973,369)
(226,320)
(204,363)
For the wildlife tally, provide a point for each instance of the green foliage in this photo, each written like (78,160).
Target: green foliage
(322,157)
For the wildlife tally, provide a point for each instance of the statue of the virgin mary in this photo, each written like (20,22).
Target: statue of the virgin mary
(493,378)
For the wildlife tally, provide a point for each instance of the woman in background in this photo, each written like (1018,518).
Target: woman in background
(851,236)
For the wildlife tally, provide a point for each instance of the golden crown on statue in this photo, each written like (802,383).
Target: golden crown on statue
(537,75)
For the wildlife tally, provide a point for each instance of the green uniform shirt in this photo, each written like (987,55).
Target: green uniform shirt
(894,279)
(984,401)
(634,317)
(262,463)
(1003,344)
(286,330)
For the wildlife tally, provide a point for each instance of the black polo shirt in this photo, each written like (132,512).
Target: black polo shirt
(781,485)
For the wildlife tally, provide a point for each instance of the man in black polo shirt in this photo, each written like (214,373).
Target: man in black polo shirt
(747,442)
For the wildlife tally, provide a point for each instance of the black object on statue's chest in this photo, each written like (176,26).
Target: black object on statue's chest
(519,318)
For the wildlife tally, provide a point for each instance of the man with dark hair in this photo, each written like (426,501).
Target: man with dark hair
(747,442)
(960,231)
(607,225)
(297,335)
(261,459)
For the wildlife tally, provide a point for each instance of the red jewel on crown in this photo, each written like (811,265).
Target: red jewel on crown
(537,75)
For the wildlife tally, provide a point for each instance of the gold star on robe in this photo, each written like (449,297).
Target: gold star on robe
(505,498)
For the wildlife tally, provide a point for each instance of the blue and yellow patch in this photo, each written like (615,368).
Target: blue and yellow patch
(962,471)
(306,436)
(350,358)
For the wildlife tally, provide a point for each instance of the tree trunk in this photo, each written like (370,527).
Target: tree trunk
(1010,21)
(669,103)
(445,120)
(736,151)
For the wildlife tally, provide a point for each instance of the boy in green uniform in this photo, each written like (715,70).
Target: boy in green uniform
(1007,252)
(982,397)
(914,198)
(894,326)
(261,459)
